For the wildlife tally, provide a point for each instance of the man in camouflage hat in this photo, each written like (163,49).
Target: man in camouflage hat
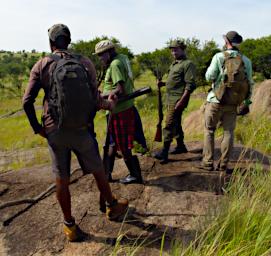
(119,79)
(179,85)
(222,100)
(62,139)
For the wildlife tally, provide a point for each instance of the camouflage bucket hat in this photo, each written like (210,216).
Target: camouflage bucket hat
(58,30)
(177,44)
(103,46)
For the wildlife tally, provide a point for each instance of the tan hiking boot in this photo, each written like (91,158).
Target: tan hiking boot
(73,233)
(117,209)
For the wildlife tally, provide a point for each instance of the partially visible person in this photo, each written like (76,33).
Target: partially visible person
(69,106)
(139,133)
(179,85)
(118,79)
(231,74)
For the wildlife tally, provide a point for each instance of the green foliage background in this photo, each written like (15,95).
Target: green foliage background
(16,133)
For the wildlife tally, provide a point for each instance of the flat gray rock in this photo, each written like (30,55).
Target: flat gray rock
(174,198)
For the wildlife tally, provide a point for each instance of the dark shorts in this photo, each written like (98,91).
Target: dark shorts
(81,143)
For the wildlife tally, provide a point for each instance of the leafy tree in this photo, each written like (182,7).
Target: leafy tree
(157,61)
(136,68)
(13,69)
(201,55)
(259,51)
(31,61)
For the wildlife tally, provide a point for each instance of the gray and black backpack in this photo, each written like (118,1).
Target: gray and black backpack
(71,101)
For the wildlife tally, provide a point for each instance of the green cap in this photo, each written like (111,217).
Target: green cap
(177,44)
(58,30)
(103,46)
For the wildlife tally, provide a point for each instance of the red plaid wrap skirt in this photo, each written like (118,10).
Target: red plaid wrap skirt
(122,129)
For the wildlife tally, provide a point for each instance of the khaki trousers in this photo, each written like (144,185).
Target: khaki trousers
(213,114)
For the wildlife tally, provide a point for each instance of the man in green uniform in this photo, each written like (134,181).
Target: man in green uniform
(179,85)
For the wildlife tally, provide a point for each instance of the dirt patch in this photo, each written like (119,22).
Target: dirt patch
(173,199)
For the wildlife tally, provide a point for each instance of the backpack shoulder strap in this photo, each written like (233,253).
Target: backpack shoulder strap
(226,55)
(55,57)
(76,56)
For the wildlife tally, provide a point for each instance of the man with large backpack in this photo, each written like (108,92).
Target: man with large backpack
(69,106)
(231,74)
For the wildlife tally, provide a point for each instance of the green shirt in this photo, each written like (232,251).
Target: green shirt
(181,77)
(215,73)
(119,70)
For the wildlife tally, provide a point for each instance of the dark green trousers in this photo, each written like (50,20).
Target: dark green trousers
(173,128)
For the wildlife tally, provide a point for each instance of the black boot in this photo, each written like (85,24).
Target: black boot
(135,172)
(179,149)
(163,154)
(109,162)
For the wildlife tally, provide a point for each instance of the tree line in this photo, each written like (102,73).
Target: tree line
(15,67)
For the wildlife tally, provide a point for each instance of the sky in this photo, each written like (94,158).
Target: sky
(142,25)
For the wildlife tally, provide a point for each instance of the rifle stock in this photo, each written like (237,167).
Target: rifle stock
(158,134)
(132,95)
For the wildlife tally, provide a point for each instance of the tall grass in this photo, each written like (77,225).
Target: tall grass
(242,225)
(254,133)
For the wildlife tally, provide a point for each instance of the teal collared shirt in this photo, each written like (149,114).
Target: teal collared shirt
(215,73)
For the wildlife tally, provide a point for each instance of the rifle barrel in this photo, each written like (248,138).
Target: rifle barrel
(132,95)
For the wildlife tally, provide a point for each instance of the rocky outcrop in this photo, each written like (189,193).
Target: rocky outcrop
(174,198)
(261,100)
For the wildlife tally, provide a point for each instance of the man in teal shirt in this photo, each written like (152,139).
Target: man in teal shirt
(215,111)
(121,122)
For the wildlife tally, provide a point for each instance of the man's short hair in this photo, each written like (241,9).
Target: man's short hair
(61,42)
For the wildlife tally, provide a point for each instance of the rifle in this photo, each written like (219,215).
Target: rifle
(158,135)
(132,95)
(106,158)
